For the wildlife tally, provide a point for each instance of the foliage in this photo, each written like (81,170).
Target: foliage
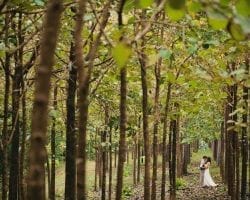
(180,183)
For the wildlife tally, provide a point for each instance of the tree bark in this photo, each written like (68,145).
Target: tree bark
(244,138)
(83,104)
(3,149)
(84,76)
(23,146)
(232,146)
(123,116)
(36,182)
(146,136)
(164,143)
(122,140)
(104,165)
(53,150)
(15,140)
(156,124)
(110,163)
(70,165)
(172,167)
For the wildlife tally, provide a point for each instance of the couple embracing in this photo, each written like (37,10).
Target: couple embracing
(205,177)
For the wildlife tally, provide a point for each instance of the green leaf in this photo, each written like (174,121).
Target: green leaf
(175,14)
(166,54)
(145,3)
(216,20)
(243,7)
(194,7)
(192,49)
(121,53)
(39,2)
(170,77)
(129,5)
(236,31)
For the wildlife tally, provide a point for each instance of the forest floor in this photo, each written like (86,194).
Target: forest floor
(188,187)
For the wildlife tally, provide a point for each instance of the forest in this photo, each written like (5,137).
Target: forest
(121,99)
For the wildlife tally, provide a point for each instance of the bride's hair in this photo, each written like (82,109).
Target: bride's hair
(208,159)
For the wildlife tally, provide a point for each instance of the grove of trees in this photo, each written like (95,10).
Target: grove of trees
(111,82)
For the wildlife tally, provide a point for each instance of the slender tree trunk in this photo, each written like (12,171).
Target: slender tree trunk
(96,161)
(123,116)
(185,159)
(16,92)
(23,146)
(127,151)
(156,124)
(4,172)
(215,148)
(222,152)
(232,135)
(70,165)
(173,161)
(164,144)
(110,164)
(83,104)
(244,138)
(104,165)
(134,159)
(84,75)
(122,140)
(138,162)
(178,146)
(146,136)
(37,158)
(49,173)
(100,166)
(53,150)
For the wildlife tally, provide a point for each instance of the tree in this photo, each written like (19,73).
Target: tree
(36,181)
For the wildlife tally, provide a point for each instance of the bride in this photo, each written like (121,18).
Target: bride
(208,181)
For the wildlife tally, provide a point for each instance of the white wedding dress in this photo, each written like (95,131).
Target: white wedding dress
(208,181)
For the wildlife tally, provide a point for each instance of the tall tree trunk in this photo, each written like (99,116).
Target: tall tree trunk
(134,159)
(164,143)
(178,145)
(138,162)
(123,116)
(174,128)
(222,152)
(4,159)
(110,163)
(233,140)
(104,165)
(146,136)
(83,104)
(244,138)
(185,159)
(23,145)
(36,182)
(70,165)
(156,124)
(122,140)
(16,88)
(96,161)
(84,76)
(53,150)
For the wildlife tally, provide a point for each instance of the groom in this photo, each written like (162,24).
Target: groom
(202,169)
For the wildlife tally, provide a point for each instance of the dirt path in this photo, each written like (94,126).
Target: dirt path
(190,189)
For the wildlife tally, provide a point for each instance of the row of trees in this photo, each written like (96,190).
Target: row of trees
(132,76)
